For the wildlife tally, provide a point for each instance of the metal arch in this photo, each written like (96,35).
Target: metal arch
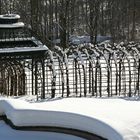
(14,79)
(128,61)
(133,49)
(66,54)
(79,54)
(40,71)
(62,72)
(77,70)
(21,78)
(97,70)
(97,66)
(14,72)
(19,82)
(108,68)
(117,72)
(137,67)
(67,73)
(3,71)
(111,57)
(85,49)
(91,75)
(10,73)
(52,68)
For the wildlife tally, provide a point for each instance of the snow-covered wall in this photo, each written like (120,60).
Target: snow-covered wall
(21,113)
(102,118)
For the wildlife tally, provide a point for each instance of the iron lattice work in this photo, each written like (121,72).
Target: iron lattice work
(29,67)
(20,56)
(84,70)
(87,70)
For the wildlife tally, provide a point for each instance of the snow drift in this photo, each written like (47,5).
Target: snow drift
(101,117)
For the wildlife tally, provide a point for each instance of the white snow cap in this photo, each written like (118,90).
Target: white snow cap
(13,25)
(10,16)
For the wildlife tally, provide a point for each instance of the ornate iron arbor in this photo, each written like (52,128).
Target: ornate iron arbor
(29,67)
(21,59)
(95,70)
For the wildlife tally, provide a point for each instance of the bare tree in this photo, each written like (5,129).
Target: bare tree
(58,19)
(0,6)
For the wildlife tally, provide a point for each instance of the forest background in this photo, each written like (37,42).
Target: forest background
(50,20)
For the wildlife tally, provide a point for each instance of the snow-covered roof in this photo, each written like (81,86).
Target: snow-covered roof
(17,39)
(14,25)
(10,16)
(35,46)
(113,119)
(23,49)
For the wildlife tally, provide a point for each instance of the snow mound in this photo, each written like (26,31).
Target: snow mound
(14,25)
(101,117)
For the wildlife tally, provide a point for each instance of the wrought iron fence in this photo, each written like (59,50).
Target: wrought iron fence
(82,71)
(88,70)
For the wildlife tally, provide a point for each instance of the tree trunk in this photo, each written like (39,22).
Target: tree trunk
(133,21)
(0,7)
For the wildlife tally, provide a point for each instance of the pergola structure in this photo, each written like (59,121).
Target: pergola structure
(29,67)
(21,58)
(101,70)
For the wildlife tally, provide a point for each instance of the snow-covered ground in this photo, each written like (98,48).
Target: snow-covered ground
(77,40)
(114,119)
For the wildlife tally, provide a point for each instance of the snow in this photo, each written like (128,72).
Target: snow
(14,25)
(114,119)
(18,39)
(52,64)
(22,49)
(10,16)
(77,40)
